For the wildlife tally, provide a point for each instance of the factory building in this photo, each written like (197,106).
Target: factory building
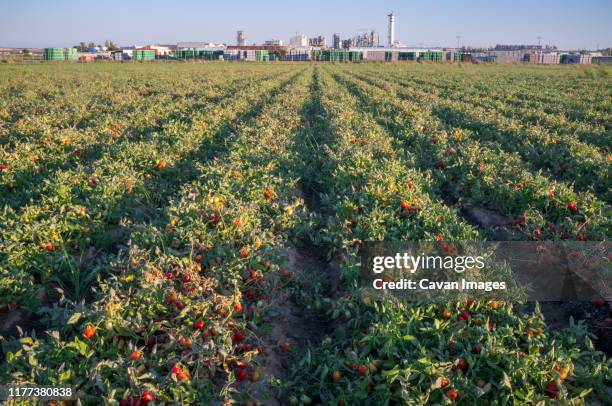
(200,45)
(298,41)
(396,54)
(158,50)
(337,43)
(366,40)
(348,43)
(319,42)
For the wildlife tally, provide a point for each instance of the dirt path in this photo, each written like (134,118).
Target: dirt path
(292,321)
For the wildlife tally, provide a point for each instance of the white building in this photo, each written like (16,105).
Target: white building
(298,41)
(200,45)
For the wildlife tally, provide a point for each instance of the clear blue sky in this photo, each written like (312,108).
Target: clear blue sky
(566,23)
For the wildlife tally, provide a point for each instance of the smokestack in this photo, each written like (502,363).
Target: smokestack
(240,38)
(391,36)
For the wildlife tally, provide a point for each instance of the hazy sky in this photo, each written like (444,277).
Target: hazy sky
(565,23)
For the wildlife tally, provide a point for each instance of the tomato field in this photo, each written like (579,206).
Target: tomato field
(189,233)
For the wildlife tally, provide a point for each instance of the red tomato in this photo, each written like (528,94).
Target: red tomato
(90,332)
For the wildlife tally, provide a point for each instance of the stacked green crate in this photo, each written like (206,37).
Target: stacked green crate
(143,55)
(355,56)
(406,56)
(206,55)
(430,56)
(323,56)
(185,54)
(457,57)
(337,56)
(71,54)
(260,54)
(53,54)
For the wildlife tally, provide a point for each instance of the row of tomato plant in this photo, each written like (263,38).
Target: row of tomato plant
(553,93)
(555,97)
(559,153)
(89,211)
(174,315)
(474,173)
(522,104)
(188,213)
(385,351)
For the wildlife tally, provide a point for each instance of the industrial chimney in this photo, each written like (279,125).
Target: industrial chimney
(240,39)
(391,36)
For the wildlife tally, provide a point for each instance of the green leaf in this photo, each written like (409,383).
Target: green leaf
(506,382)
(65,376)
(81,346)
(393,372)
(74,318)
(425,361)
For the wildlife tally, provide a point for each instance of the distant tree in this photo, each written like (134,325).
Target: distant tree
(82,47)
(25,51)
(280,54)
(91,45)
(110,45)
